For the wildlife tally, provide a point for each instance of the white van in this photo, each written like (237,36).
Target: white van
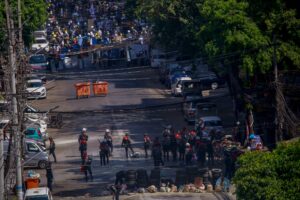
(41,193)
(176,87)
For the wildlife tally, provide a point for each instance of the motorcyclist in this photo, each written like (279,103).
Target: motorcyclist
(126,143)
(108,138)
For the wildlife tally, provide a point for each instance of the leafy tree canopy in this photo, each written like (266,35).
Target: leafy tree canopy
(213,28)
(270,175)
(34,16)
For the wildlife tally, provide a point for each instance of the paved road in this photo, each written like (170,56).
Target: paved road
(128,88)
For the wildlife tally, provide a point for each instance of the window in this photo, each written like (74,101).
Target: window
(37,59)
(32,147)
(213,123)
(37,197)
(34,84)
(30,132)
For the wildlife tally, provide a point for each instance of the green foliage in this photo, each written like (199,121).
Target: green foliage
(34,16)
(270,175)
(214,28)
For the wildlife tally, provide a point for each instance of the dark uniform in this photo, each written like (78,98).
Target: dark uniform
(104,153)
(52,149)
(49,175)
(147,143)
(87,168)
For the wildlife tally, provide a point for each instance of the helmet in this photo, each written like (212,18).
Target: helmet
(107,131)
(187,144)
(83,129)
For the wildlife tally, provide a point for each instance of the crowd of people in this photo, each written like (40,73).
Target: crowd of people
(75,25)
(188,147)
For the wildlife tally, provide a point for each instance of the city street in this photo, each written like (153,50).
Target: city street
(136,103)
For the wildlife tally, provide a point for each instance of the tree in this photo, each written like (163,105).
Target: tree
(34,16)
(270,175)
(173,23)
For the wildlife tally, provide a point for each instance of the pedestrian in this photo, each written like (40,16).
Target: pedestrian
(82,140)
(87,168)
(49,175)
(108,138)
(126,143)
(104,153)
(115,190)
(52,149)
(147,143)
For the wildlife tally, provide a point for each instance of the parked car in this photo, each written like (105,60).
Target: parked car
(41,193)
(36,89)
(38,62)
(40,43)
(40,125)
(34,114)
(40,33)
(176,88)
(35,133)
(35,155)
(189,107)
(212,123)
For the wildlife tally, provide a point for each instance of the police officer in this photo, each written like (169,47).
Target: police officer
(49,175)
(82,140)
(156,153)
(126,143)
(87,168)
(104,152)
(147,143)
(108,138)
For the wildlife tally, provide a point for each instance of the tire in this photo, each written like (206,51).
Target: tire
(42,164)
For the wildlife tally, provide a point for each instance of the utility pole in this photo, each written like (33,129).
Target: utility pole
(1,166)
(12,67)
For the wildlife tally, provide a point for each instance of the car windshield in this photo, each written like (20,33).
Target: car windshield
(212,123)
(29,132)
(34,84)
(40,41)
(37,197)
(37,59)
